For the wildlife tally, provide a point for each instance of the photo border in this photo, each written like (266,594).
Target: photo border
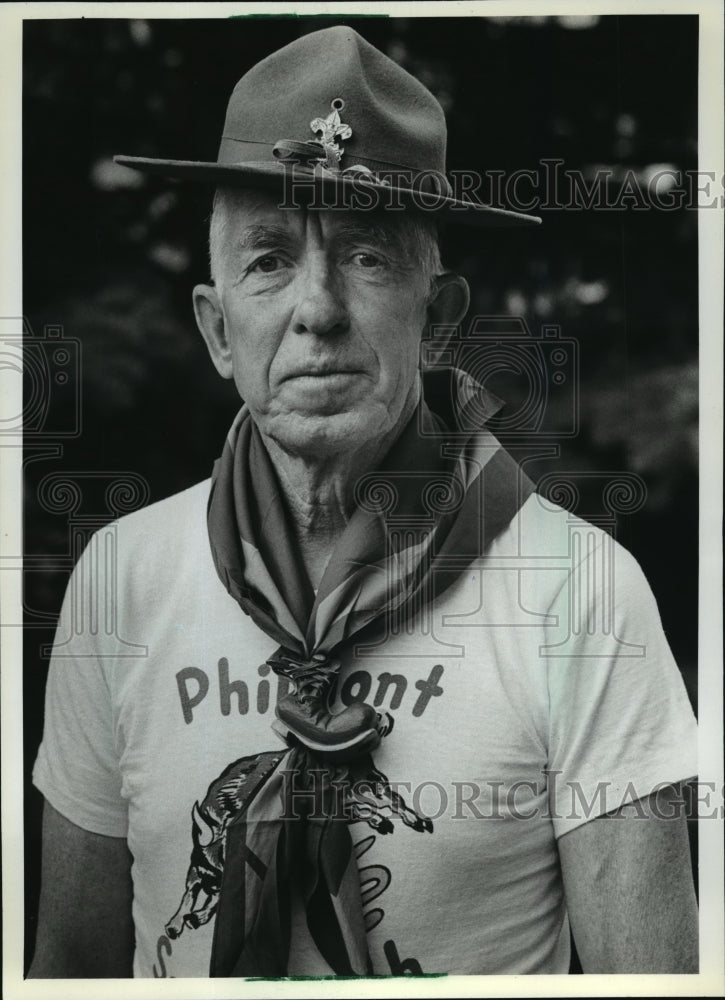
(710,981)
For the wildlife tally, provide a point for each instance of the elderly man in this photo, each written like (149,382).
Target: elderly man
(466,759)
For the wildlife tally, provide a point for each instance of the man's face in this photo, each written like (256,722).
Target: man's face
(323,314)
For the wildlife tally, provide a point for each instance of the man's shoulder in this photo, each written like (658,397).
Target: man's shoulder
(542,527)
(136,567)
(543,535)
(167,516)
(166,532)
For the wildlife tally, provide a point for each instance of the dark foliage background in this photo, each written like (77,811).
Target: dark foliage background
(112,256)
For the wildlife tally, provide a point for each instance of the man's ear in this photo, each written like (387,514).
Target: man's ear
(448,305)
(210,320)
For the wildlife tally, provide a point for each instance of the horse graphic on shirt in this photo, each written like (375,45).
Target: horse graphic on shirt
(367,797)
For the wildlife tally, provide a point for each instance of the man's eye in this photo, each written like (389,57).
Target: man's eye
(268,264)
(368,260)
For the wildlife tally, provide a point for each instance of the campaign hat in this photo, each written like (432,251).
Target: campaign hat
(331,119)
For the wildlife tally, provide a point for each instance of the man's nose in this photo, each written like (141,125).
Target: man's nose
(322,308)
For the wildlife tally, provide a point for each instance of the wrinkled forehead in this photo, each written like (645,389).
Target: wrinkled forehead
(247,213)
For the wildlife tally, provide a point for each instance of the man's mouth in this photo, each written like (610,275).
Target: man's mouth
(322,373)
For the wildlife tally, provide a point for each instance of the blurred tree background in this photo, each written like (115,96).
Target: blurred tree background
(111,256)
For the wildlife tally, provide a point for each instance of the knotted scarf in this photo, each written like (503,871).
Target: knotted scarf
(445,490)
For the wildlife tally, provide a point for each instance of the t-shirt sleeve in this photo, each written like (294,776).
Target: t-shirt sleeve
(77,767)
(620,721)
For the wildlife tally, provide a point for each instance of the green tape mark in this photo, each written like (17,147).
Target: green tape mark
(317,979)
(318,17)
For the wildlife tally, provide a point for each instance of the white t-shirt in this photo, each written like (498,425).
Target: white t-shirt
(535,694)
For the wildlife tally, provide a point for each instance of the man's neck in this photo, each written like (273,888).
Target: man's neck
(320,493)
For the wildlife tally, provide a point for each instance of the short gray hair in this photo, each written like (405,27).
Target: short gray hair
(418,231)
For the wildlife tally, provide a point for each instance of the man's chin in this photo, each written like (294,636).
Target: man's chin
(320,434)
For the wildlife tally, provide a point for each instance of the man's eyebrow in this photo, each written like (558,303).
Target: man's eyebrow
(261,237)
(270,236)
(371,233)
(394,241)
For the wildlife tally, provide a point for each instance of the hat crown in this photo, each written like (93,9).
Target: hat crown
(394,119)
(330,114)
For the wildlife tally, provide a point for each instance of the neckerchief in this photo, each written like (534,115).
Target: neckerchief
(445,490)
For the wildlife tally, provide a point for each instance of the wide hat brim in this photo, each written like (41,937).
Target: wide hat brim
(318,188)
